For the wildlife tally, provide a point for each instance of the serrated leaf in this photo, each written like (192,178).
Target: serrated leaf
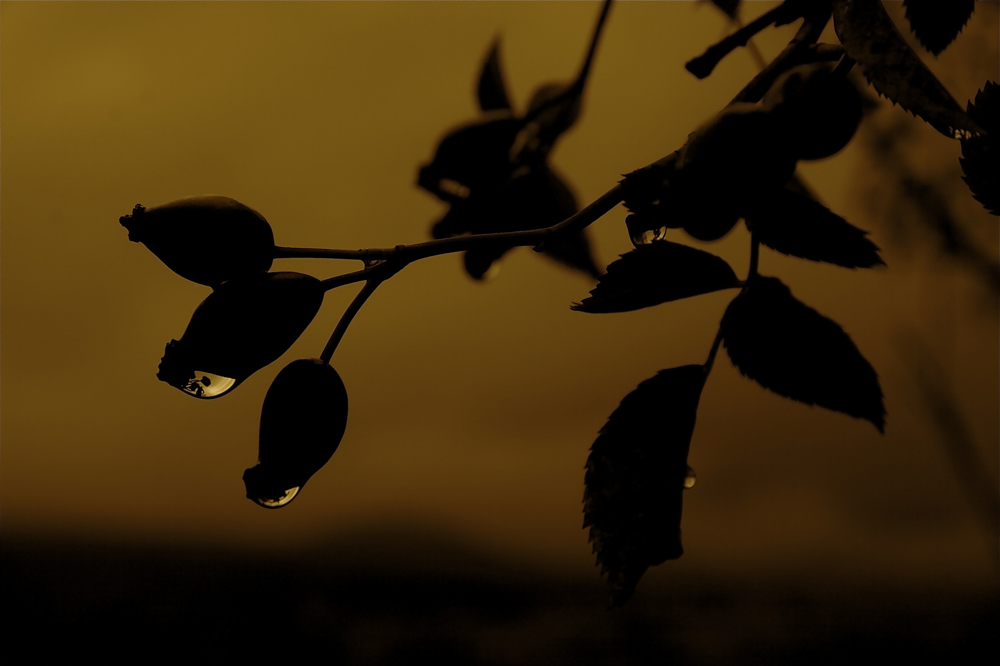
(657,273)
(789,348)
(935,23)
(796,224)
(728,7)
(981,155)
(491,92)
(635,478)
(894,70)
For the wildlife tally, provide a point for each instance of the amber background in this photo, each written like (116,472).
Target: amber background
(472,406)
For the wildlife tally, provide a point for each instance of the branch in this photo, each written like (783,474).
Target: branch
(402,255)
(703,65)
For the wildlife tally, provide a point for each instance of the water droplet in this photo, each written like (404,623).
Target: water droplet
(690,479)
(205,385)
(649,236)
(279,501)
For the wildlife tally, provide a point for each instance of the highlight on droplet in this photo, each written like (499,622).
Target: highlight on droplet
(690,478)
(649,236)
(280,501)
(206,385)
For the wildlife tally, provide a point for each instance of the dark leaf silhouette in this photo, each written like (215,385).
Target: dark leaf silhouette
(472,157)
(936,24)
(894,70)
(728,6)
(798,225)
(635,478)
(533,199)
(789,348)
(981,155)
(657,273)
(491,91)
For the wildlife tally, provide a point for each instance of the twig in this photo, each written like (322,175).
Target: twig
(345,319)
(703,65)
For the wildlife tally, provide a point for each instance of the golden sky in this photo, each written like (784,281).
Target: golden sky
(472,407)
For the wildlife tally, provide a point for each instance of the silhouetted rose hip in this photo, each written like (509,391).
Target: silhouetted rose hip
(207,240)
(817,110)
(242,326)
(301,424)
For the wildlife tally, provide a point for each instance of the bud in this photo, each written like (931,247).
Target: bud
(207,240)
(301,424)
(242,326)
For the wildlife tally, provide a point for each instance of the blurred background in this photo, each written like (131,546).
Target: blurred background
(448,522)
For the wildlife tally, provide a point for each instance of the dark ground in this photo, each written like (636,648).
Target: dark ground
(400,599)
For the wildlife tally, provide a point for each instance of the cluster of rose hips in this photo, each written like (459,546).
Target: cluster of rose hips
(738,159)
(249,320)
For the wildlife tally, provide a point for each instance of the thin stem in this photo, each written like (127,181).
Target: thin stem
(798,49)
(348,278)
(754,256)
(703,65)
(712,352)
(318,253)
(577,222)
(578,84)
(588,61)
(345,319)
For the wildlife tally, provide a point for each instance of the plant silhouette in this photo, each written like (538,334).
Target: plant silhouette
(494,174)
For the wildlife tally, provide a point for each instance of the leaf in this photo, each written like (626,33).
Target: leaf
(729,7)
(635,478)
(894,70)
(491,91)
(471,158)
(800,226)
(935,23)
(657,273)
(789,348)
(533,199)
(981,155)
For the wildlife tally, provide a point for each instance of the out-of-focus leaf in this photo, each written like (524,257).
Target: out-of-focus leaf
(491,91)
(894,70)
(635,478)
(472,157)
(553,109)
(729,7)
(800,226)
(657,273)
(789,348)
(981,155)
(935,23)
(533,199)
